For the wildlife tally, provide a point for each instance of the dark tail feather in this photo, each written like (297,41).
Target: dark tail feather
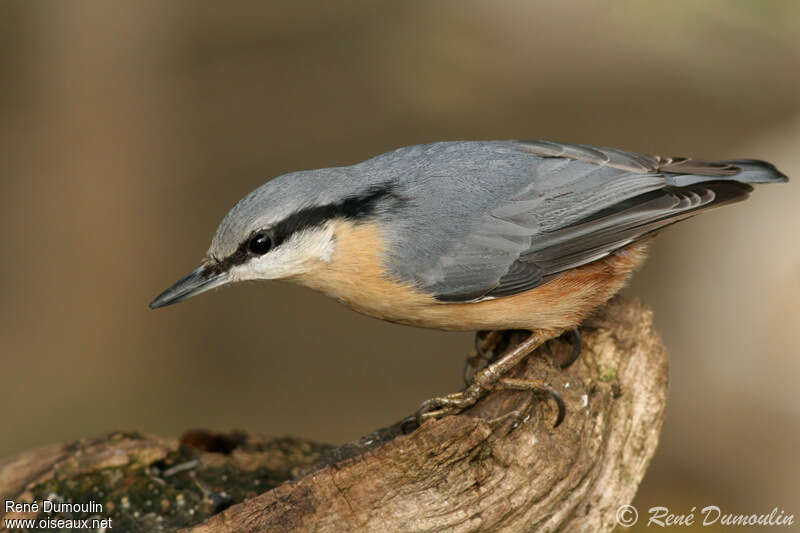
(725,192)
(749,171)
(755,171)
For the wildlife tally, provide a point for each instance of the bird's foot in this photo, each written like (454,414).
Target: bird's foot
(491,378)
(452,404)
(457,402)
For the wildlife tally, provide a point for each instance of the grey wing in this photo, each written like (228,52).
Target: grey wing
(582,204)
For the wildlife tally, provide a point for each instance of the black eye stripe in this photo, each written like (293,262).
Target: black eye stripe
(351,208)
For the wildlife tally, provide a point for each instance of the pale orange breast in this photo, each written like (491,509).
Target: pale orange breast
(355,276)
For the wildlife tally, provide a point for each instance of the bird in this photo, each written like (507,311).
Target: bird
(469,235)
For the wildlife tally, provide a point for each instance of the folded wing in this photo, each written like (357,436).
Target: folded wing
(583,204)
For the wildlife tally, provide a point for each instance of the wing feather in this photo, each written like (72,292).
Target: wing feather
(629,161)
(583,204)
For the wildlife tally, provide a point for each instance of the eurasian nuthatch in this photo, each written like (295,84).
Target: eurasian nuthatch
(468,235)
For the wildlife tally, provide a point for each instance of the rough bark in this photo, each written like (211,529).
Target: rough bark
(500,466)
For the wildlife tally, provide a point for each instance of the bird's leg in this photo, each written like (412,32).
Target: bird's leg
(485,343)
(487,379)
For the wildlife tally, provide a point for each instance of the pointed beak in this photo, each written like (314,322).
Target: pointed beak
(198,281)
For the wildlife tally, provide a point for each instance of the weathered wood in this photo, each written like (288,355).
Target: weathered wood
(500,466)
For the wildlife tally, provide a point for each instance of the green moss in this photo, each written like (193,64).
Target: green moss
(607,373)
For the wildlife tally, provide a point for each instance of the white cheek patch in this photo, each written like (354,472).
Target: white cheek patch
(294,256)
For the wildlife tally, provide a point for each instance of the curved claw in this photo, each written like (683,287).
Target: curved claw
(538,387)
(562,407)
(576,347)
(409,424)
(442,406)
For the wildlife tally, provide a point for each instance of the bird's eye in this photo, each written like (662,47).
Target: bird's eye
(260,244)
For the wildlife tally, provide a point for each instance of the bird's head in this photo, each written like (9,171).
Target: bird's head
(281,230)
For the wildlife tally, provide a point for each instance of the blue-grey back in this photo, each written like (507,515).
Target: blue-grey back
(469,220)
(494,218)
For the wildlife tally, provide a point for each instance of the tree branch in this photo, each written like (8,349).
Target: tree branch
(500,466)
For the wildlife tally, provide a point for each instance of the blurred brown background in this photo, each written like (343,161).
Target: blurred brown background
(127,130)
